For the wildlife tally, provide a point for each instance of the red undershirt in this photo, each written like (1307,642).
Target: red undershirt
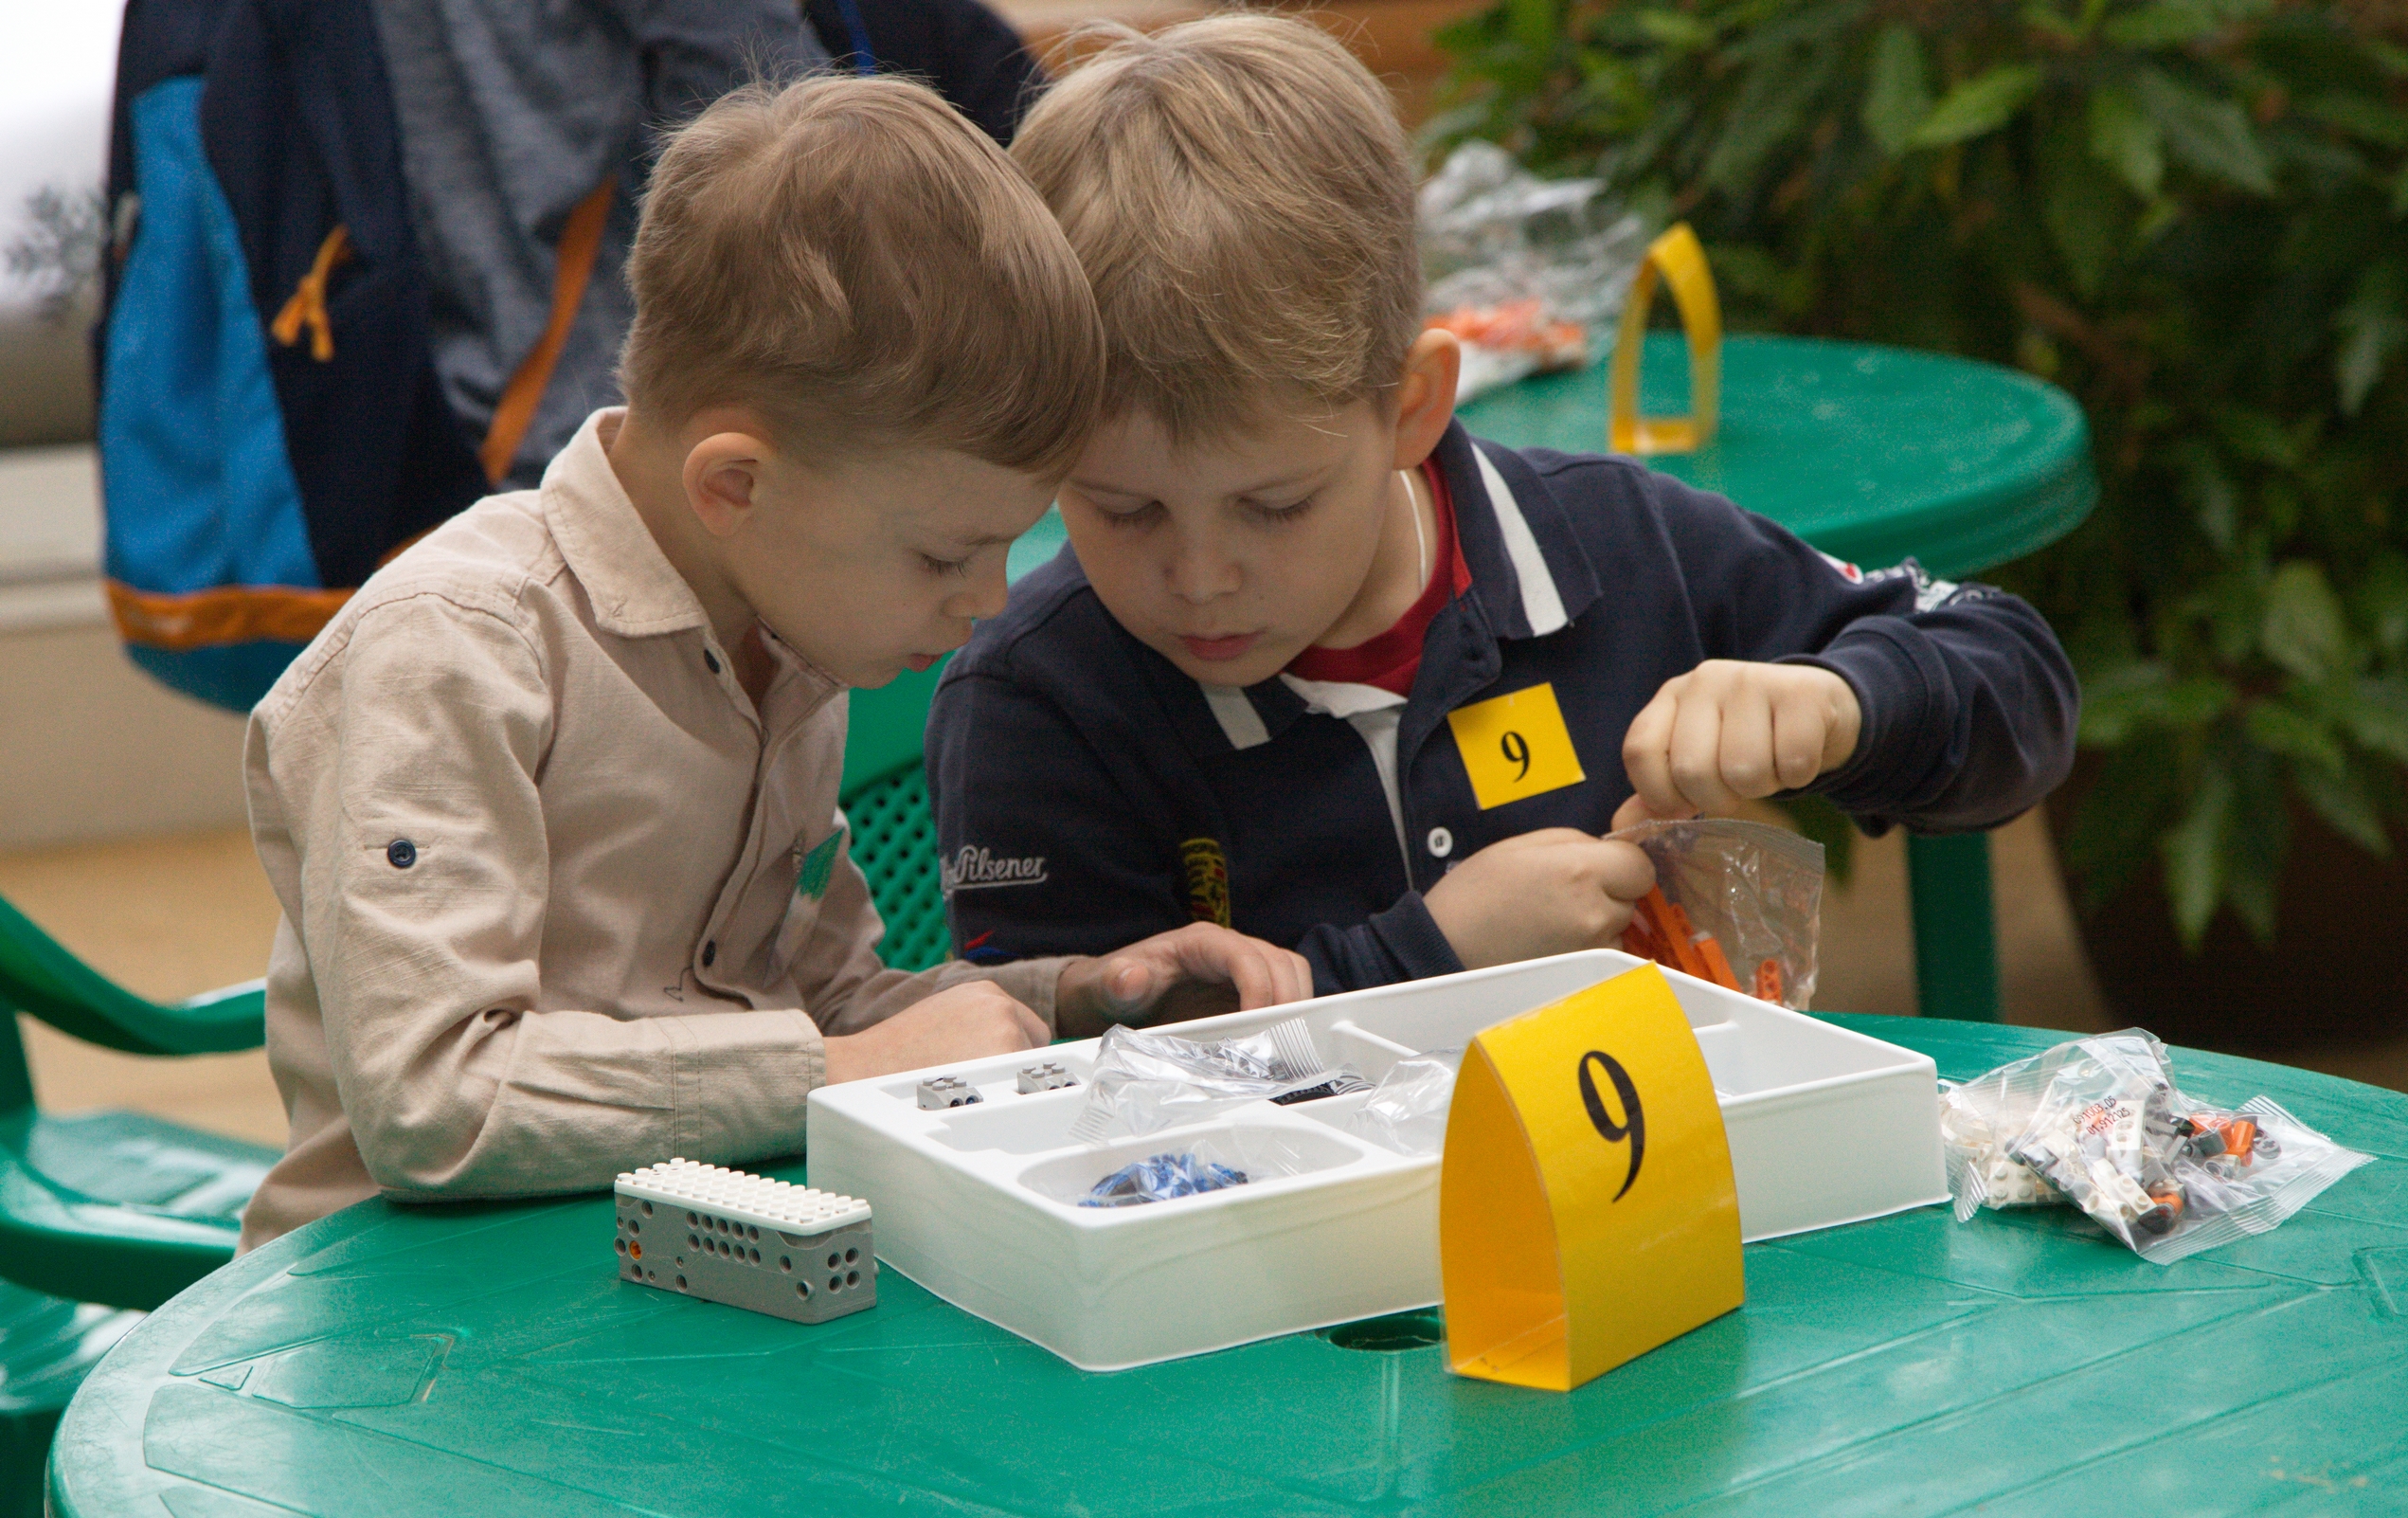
(1391,659)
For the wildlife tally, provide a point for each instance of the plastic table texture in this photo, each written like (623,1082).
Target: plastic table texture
(1873,455)
(393,1361)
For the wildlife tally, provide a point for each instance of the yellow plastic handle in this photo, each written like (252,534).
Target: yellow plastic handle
(1678,260)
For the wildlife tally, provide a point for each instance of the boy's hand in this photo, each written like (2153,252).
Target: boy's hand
(1193,971)
(966,1021)
(1728,731)
(1544,892)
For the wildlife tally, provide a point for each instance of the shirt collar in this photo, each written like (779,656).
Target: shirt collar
(1529,573)
(635,590)
(1527,566)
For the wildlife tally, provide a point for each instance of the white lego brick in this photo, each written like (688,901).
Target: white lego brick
(741,1197)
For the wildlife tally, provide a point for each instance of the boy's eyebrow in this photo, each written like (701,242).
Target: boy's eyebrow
(1292,478)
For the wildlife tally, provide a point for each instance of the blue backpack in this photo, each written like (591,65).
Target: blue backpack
(270,422)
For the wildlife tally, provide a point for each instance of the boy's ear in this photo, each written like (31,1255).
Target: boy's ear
(722,479)
(1426,396)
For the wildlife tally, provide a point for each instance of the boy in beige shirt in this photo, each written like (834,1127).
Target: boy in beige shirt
(551,807)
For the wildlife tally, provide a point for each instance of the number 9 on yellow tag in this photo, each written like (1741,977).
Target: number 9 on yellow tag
(1515,746)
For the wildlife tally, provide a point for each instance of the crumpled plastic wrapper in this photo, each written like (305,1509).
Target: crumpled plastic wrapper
(1145,1082)
(1530,272)
(1406,1110)
(2099,1123)
(1755,890)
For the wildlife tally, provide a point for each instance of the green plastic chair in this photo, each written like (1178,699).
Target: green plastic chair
(113,1207)
(885,795)
(100,1212)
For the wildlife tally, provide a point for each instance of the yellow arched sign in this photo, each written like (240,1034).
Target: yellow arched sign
(1586,1208)
(1677,260)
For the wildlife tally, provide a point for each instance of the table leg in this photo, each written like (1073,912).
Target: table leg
(1956,962)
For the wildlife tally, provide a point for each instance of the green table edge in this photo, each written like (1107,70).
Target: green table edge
(1958,1049)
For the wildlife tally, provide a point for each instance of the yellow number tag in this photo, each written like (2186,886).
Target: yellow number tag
(1586,1207)
(1515,746)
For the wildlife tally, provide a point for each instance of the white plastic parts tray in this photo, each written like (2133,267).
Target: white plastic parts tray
(1826,1126)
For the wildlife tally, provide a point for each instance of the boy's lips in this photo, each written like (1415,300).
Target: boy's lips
(920,664)
(1219,650)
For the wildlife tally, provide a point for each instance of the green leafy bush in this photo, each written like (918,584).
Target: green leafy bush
(2193,214)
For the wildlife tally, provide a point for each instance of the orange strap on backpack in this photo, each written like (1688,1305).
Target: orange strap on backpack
(580,240)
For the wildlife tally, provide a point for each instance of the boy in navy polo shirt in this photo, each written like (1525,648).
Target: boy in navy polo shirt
(1327,668)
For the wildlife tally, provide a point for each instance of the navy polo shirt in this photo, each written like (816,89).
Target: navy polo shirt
(1088,794)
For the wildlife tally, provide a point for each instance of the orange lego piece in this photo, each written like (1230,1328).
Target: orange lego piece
(1717,963)
(1769,981)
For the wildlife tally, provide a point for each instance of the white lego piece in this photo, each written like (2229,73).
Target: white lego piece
(1045,1076)
(738,1197)
(940,1092)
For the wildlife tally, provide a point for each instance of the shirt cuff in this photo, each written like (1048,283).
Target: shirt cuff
(1894,738)
(1413,939)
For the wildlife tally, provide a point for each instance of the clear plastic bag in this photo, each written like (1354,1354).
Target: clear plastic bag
(2100,1122)
(1737,903)
(1406,1110)
(1213,1159)
(1145,1082)
(1161,1177)
(1528,272)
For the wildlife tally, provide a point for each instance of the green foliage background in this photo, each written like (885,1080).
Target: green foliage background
(2194,215)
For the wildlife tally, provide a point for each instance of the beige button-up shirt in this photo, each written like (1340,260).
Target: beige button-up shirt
(559,900)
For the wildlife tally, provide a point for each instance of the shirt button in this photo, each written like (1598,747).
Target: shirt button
(711,659)
(710,952)
(1441,843)
(401,853)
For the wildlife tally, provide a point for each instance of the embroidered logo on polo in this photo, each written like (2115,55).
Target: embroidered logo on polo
(976,869)
(813,870)
(1929,593)
(1515,746)
(1207,870)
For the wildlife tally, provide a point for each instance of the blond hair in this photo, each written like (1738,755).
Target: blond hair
(1239,191)
(854,262)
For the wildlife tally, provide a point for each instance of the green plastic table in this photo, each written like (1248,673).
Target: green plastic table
(1872,455)
(485,1359)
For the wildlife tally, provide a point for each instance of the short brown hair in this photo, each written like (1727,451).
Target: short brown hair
(1239,191)
(852,260)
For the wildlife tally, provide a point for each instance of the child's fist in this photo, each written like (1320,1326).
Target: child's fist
(966,1021)
(1728,731)
(1544,892)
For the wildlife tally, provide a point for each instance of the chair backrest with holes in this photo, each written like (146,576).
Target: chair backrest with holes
(885,795)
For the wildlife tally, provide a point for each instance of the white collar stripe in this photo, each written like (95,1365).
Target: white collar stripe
(1542,605)
(1240,723)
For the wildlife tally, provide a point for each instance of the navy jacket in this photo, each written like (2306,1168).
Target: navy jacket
(1088,794)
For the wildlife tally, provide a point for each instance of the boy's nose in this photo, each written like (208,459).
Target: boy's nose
(1199,571)
(989,589)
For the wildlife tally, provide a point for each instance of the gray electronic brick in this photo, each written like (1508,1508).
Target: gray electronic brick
(746,1241)
(938,1092)
(1045,1076)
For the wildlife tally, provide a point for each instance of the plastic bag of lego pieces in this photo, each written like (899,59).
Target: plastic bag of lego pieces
(1161,1178)
(1215,1157)
(1145,1082)
(1524,270)
(1978,1119)
(1406,1110)
(1737,903)
(2167,1174)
